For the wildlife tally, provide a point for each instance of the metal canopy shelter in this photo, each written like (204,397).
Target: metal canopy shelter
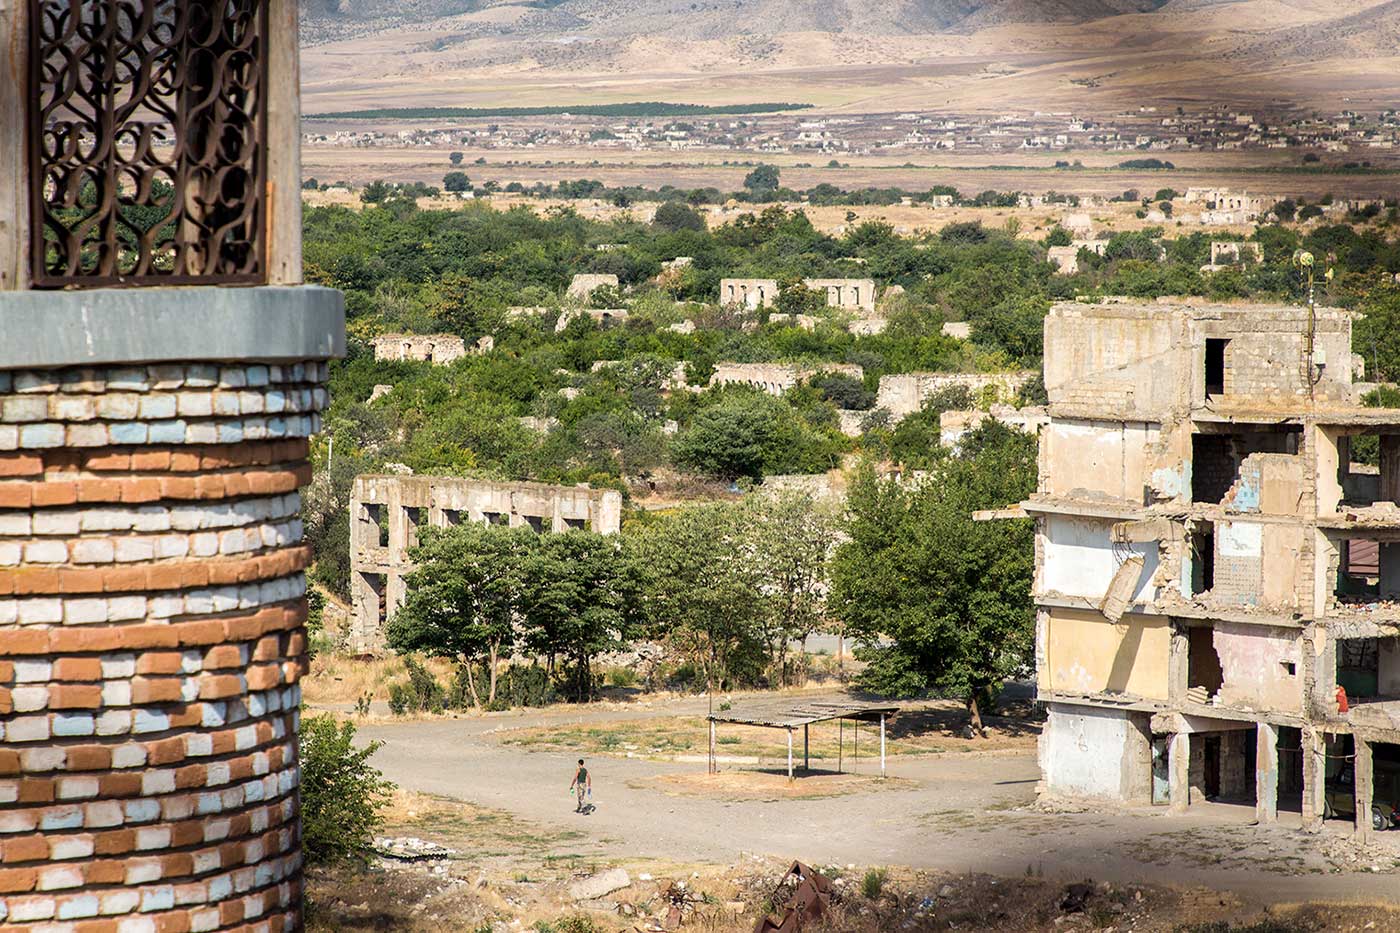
(790,715)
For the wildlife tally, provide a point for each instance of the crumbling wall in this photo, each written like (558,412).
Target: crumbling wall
(439,349)
(1098,459)
(849,294)
(776,378)
(1266,354)
(905,394)
(1271,484)
(952,425)
(583,286)
(1080,558)
(1261,666)
(1256,565)
(1095,753)
(1082,652)
(1120,358)
(748,293)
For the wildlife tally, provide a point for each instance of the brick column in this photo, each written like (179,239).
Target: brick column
(151,641)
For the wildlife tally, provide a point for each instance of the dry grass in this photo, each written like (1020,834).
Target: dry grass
(339,679)
(930,731)
(769,785)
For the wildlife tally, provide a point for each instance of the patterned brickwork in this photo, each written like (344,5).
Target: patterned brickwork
(151,643)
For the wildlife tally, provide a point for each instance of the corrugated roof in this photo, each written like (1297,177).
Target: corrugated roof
(790,714)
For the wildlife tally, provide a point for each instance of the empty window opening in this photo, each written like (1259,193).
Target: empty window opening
(1385,784)
(1368,468)
(1339,800)
(535,522)
(1203,559)
(379,534)
(1290,768)
(414,519)
(451,517)
(495,518)
(1204,675)
(1289,668)
(575,524)
(1359,570)
(1215,366)
(1222,765)
(1216,458)
(1358,667)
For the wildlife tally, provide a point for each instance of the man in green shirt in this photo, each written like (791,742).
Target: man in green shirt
(582,783)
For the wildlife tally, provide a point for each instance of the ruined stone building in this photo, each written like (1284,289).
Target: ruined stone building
(1217,553)
(439,349)
(1227,253)
(751,294)
(386,513)
(952,425)
(157,395)
(846,294)
(584,285)
(603,317)
(777,378)
(905,393)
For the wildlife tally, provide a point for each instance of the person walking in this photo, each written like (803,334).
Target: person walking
(583,784)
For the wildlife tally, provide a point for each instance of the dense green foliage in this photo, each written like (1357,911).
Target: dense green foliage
(942,602)
(341,793)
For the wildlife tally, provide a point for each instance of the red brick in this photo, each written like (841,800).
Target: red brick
(222,656)
(7,702)
(264,677)
(156,460)
(7,671)
(105,872)
(194,573)
(236,484)
(72,641)
(158,662)
(178,865)
(163,576)
(141,489)
(177,922)
(18,464)
(209,632)
(218,686)
(18,880)
(26,849)
(108,461)
(155,690)
(9,762)
(54,493)
(123,579)
(75,696)
(88,669)
(120,784)
(296,644)
(35,790)
(185,717)
(15,495)
(34,580)
(89,758)
(98,926)
(136,637)
(80,581)
(99,490)
(166,751)
(177,487)
(19,643)
(117,842)
(190,776)
(209,487)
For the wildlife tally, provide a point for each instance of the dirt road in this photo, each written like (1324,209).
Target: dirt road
(956,812)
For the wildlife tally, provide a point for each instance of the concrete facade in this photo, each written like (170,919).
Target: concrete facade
(439,349)
(387,511)
(1200,595)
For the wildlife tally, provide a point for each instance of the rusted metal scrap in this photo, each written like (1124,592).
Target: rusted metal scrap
(808,897)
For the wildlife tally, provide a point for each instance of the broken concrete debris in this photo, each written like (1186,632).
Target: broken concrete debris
(600,885)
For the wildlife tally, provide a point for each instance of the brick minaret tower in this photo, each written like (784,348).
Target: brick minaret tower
(161,370)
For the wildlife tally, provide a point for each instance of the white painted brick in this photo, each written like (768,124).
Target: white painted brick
(126,608)
(130,550)
(19,409)
(195,404)
(166,375)
(40,611)
(157,782)
(77,788)
(9,437)
(56,523)
(85,611)
(172,546)
(77,908)
(92,551)
(151,518)
(155,407)
(119,406)
(118,665)
(120,902)
(143,811)
(30,699)
(29,909)
(205,544)
(106,520)
(116,693)
(203,432)
(153,838)
(29,671)
(59,878)
(9,793)
(131,755)
(72,408)
(102,813)
(46,552)
(191,661)
(114,722)
(226,404)
(15,524)
(27,729)
(87,435)
(11,553)
(165,607)
(202,375)
(48,758)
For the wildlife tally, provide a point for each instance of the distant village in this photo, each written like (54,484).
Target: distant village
(1150,129)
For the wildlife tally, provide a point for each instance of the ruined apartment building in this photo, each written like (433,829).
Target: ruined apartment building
(846,294)
(903,394)
(387,511)
(439,349)
(1217,552)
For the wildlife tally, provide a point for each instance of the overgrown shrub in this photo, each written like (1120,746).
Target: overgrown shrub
(341,794)
(422,693)
(873,884)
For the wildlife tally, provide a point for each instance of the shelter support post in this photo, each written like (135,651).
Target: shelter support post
(806,748)
(840,743)
(789,734)
(882,745)
(712,746)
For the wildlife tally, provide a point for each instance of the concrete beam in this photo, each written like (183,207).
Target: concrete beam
(1314,780)
(50,329)
(1364,778)
(1266,774)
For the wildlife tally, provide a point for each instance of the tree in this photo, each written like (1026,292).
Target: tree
(794,297)
(456,182)
(341,793)
(938,601)
(455,158)
(701,591)
(580,599)
(793,535)
(465,596)
(673,216)
(731,438)
(763,178)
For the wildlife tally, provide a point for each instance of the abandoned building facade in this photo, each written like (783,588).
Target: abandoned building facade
(1217,561)
(439,349)
(387,513)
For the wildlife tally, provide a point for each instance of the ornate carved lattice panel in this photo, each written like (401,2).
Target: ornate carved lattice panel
(147,140)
